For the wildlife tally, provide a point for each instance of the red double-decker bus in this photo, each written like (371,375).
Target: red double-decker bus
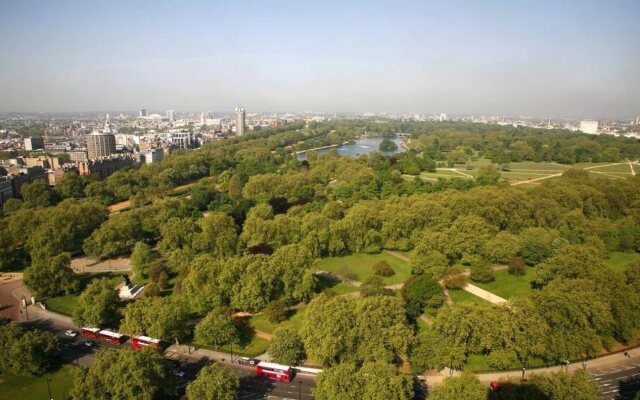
(139,342)
(275,372)
(110,337)
(90,332)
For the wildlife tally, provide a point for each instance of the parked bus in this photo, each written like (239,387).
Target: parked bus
(139,342)
(275,372)
(90,332)
(110,337)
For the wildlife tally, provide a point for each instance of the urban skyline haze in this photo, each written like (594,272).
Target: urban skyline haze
(542,58)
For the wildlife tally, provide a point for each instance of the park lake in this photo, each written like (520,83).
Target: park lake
(358,147)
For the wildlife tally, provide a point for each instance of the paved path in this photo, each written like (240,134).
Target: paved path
(473,289)
(398,255)
(82,265)
(534,180)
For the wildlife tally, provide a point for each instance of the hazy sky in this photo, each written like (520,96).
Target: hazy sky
(515,57)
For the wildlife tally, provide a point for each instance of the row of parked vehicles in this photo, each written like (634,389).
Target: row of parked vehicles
(107,336)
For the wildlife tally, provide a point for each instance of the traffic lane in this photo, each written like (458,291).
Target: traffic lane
(251,385)
(620,382)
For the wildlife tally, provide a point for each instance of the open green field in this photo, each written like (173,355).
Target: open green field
(360,266)
(462,296)
(509,286)
(35,388)
(253,348)
(619,261)
(66,304)
(294,321)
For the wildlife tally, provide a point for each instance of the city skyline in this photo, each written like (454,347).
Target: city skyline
(531,58)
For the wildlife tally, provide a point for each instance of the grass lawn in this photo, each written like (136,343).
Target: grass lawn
(254,348)
(360,266)
(509,286)
(261,323)
(619,260)
(66,304)
(32,388)
(462,296)
(535,166)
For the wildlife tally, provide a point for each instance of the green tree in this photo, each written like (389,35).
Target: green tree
(383,268)
(463,387)
(216,329)
(141,259)
(373,286)
(454,279)
(97,305)
(564,386)
(421,291)
(214,382)
(125,374)
(71,185)
(218,236)
(375,381)
(276,311)
(160,317)
(51,276)
(432,263)
(37,194)
(488,175)
(286,347)
(26,352)
(517,266)
(482,271)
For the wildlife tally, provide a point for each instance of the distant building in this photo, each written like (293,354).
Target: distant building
(33,143)
(442,117)
(171,116)
(153,155)
(104,167)
(19,175)
(100,145)
(6,191)
(143,112)
(78,156)
(182,139)
(590,127)
(240,121)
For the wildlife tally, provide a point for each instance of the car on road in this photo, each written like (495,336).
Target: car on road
(71,333)
(89,343)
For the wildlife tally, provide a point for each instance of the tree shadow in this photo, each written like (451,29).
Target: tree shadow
(522,391)
(628,388)
(255,387)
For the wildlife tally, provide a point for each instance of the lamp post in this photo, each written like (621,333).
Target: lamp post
(26,307)
(523,371)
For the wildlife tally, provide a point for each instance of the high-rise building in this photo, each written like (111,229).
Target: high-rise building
(171,116)
(100,145)
(33,143)
(240,121)
(144,112)
(590,127)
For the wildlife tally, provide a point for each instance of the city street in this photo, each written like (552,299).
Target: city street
(73,351)
(621,382)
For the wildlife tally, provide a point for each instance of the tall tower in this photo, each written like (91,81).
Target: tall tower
(240,121)
(171,116)
(143,112)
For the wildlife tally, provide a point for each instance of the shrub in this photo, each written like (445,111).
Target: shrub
(276,311)
(382,268)
(482,272)
(517,266)
(501,359)
(453,279)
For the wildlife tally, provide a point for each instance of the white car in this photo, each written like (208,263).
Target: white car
(71,333)
(179,374)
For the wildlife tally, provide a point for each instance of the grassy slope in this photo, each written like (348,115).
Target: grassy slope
(28,387)
(508,286)
(362,266)
(261,323)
